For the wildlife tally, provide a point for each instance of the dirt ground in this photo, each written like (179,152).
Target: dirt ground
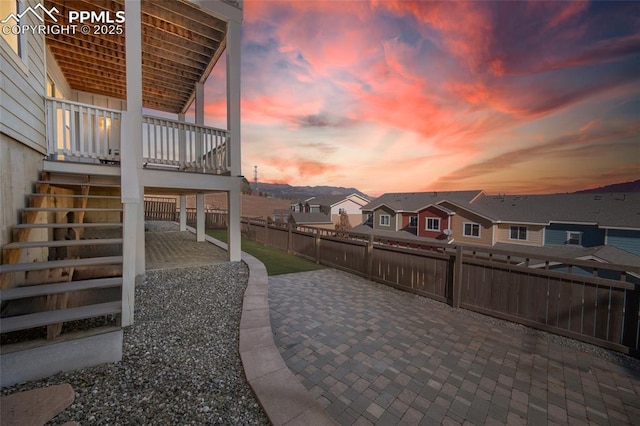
(252,206)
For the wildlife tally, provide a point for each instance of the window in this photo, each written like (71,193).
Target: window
(13,40)
(471,230)
(413,221)
(433,224)
(574,238)
(340,211)
(385,220)
(518,233)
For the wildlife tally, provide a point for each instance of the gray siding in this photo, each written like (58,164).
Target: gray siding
(624,240)
(392,220)
(23,89)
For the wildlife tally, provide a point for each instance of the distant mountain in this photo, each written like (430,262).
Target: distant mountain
(614,188)
(283,190)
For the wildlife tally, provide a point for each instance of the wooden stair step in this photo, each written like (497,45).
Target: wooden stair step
(57,288)
(23,322)
(53,264)
(69,225)
(73,183)
(109,197)
(35,406)
(69,209)
(62,243)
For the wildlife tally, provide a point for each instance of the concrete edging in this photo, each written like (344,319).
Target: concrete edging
(284,399)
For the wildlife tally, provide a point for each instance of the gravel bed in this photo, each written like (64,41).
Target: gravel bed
(180,364)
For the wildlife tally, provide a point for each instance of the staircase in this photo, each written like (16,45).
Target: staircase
(61,277)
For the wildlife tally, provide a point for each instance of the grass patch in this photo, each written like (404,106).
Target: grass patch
(275,260)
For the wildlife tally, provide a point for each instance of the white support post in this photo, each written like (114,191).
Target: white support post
(233,125)
(183,213)
(233,229)
(129,243)
(233,96)
(131,160)
(200,217)
(141,263)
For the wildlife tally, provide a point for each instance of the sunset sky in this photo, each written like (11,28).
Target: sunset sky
(386,96)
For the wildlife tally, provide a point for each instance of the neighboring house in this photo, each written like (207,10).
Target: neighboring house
(580,220)
(282,215)
(435,221)
(472,217)
(91,131)
(414,212)
(330,206)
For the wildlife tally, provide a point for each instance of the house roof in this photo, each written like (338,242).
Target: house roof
(605,253)
(310,218)
(181,43)
(605,210)
(330,200)
(402,234)
(414,201)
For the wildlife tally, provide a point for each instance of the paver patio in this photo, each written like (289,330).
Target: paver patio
(374,355)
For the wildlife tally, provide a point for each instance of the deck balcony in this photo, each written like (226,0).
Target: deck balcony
(83,133)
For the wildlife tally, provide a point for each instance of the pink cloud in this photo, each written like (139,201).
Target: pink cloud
(456,80)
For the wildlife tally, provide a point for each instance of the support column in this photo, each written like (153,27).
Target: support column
(199,217)
(183,213)
(141,262)
(199,99)
(233,96)
(131,160)
(233,228)
(233,125)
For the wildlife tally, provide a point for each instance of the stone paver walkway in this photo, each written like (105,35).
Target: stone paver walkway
(167,247)
(374,355)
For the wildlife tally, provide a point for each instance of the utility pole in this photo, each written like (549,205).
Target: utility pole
(255,180)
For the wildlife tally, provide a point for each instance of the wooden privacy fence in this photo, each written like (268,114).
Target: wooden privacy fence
(595,302)
(213,219)
(157,208)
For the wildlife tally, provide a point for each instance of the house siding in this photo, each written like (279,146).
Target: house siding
(23,89)
(556,234)
(352,209)
(406,220)
(384,211)
(534,234)
(22,124)
(432,212)
(624,240)
(463,216)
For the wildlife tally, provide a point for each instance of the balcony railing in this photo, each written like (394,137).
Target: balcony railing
(86,133)
(184,146)
(81,132)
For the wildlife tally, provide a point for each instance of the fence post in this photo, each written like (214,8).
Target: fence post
(289,237)
(317,240)
(370,257)
(630,321)
(456,279)
(266,231)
